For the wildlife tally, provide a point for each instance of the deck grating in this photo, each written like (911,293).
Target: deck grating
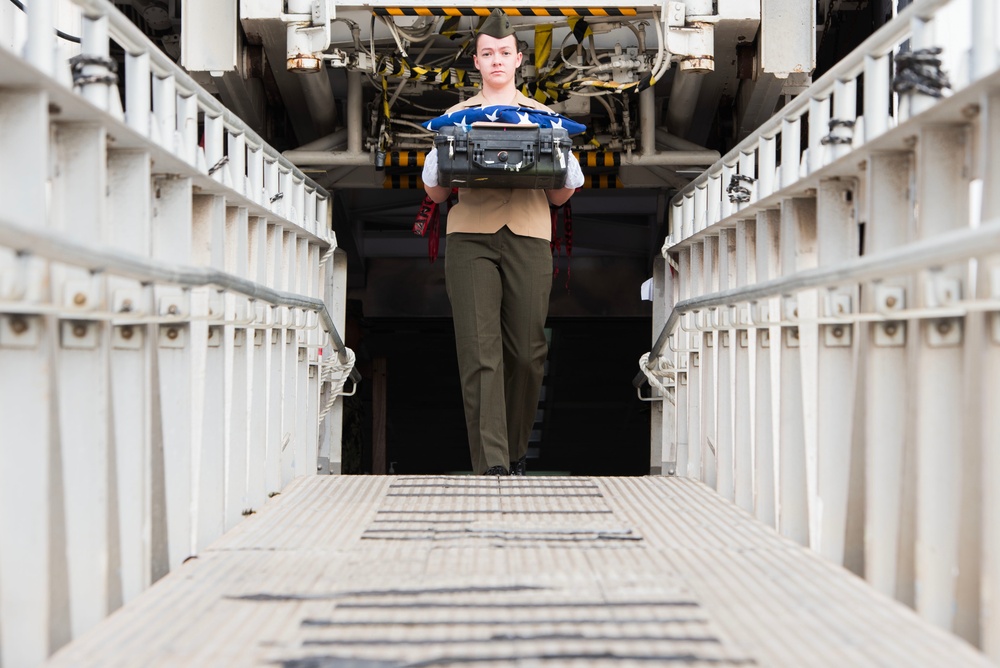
(375,572)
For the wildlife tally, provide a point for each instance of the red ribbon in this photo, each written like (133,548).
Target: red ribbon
(567,238)
(428,223)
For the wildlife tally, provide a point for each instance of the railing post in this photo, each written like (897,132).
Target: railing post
(78,211)
(766,371)
(989,288)
(837,242)
(798,251)
(947,467)
(130,216)
(172,523)
(682,341)
(709,366)
(696,369)
(259,343)
(209,380)
(889,435)
(725,336)
(743,388)
(27,346)
(238,342)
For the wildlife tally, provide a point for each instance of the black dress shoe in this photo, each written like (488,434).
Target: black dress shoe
(520,467)
(496,470)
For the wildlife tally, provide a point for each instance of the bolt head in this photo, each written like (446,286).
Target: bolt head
(18,325)
(79,331)
(127,332)
(173,333)
(79,299)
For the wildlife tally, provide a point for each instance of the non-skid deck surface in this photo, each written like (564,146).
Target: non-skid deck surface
(372,572)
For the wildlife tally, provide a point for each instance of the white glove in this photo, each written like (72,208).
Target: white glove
(430,173)
(574,175)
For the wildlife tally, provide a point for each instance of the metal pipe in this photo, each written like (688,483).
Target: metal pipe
(939,250)
(58,248)
(355,112)
(684,92)
(327,158)
(327,143)
(647,122)
(671,141)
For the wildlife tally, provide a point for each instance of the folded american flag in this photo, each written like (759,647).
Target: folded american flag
(464,118)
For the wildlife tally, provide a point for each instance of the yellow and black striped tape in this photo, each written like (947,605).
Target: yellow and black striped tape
(510,11)
(602,181)
(402,182)
(599,159)
(405,159)
(581,29)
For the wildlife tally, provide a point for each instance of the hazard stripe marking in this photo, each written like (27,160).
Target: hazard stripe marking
(511,11)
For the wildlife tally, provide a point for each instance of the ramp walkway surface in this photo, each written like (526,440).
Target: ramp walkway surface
(372,572)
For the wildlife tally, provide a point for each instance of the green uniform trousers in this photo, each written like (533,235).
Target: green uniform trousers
(499,285)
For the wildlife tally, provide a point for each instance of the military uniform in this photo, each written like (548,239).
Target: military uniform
(498,274)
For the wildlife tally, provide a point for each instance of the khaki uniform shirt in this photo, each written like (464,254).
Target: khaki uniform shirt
(487,210)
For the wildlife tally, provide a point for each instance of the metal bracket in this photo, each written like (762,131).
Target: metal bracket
(791,336)
(20,331)
(80,295)
(943,332)
(837,304)
(128,337)
(889,298)
(838,335)
(791,308)
(79,334)
(174,335)
(764,337)
(891,334)
(215,336)
(941,289)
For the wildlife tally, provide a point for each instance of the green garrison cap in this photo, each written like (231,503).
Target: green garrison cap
(497,25)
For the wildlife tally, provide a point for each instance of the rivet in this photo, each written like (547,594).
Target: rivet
(172,333)
(127,333)
(79,299)
(890,301)
(943,327)
(172,309)
(18,325)
(838,332)
(79,331)
(890,329)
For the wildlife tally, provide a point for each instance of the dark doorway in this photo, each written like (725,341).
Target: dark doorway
(589,421)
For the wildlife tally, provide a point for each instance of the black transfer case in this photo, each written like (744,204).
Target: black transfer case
(500,155)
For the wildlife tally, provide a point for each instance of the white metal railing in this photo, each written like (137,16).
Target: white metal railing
(829,357)
(170,309)
(828,111)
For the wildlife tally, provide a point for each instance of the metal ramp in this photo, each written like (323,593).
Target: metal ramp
(445,571)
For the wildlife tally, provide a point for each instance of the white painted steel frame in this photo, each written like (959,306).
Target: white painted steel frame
(875,335)
(134,295)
